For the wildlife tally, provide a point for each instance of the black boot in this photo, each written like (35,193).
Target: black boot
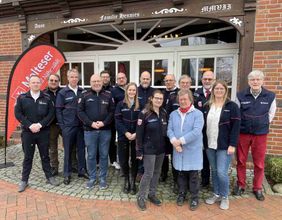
(133,190)
(126,186)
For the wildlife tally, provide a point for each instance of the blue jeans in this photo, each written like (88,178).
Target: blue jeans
(219,161)
(95,140)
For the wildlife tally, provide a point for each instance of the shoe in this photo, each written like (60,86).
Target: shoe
(53,181)
(67,180)
(259,196)
(54,171)
(213,199)
(90,184)
(194,205)
(133,189)
(238,191)
(224,204)
(153,199)
(116,165)
(180,199)
(103,186)
(22,186)
(141,204)
(126,186)
(83,175)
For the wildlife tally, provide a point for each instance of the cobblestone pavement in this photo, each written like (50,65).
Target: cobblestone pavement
(43,201)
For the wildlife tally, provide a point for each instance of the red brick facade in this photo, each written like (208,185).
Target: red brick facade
(269,28)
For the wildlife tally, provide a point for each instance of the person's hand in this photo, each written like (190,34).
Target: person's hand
(139,158)
(100,124)
(94,125)
(133,136)
(176,143)
(35,127)
(128,135)
(178,149)
(230,150)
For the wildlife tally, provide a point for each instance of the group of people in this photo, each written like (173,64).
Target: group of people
(201,131)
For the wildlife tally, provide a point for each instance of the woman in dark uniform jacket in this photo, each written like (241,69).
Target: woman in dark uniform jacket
(150,146)
(126,116)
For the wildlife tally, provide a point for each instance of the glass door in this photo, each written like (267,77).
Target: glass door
(115,64)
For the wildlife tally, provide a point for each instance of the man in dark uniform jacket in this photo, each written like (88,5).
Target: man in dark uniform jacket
(144,89)
(170,94)
(52,90)
(118,95)
(95,110)
(72,130)
(35,111)
(201,96)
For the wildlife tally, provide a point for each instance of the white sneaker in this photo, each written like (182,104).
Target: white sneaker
(116,165)
(224,204)
(213,199)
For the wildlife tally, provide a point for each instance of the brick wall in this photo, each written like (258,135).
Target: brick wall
(10,45)
(269,28)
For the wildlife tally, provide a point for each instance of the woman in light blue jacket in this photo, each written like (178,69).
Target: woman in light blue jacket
(185,133)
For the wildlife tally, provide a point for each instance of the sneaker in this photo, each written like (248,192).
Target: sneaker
(213,199)
(238,191)
(224,204)
(90,184)
(103,185)
(116,165)
(141,204)
(22,186)
(180,199)
(153,199)
(53,181)
(194,205)
(259,195)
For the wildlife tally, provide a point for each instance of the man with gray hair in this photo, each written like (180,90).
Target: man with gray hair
(258,107)
(72,130)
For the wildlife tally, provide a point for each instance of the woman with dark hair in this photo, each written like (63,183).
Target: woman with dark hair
(150,146)
(222,127)
(126,115)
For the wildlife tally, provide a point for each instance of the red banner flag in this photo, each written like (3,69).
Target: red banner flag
(41,60)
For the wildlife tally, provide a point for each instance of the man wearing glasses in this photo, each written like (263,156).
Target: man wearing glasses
(53,89)
(201,96)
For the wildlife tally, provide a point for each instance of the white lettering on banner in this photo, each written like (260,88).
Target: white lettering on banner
(36,70)
(216,8)
(119,16)
(169,11)
(74,20)
(37,26)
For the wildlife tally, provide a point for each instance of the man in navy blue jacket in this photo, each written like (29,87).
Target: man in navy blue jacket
(95,110)
(258,107)
(201,96)
(72,131)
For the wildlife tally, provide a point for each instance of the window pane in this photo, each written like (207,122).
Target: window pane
(124,67)
(205,64)
(63,73)
(78,67)
(189,67)
(111,67)
(145,65)
(160,71)
(224,69)
(88,71)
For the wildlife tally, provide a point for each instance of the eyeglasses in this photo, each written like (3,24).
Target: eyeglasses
(53,80)
(169,80)
(207,79)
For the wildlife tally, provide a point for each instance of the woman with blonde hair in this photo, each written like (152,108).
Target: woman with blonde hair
(222,126)
(126,115)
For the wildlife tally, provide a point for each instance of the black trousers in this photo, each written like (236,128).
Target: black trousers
(126,149)
(113,147)
(29,140)
(205,173)
(189,177)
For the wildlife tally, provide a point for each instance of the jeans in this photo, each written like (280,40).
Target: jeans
(219,161)
(97,140)
(152,172)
